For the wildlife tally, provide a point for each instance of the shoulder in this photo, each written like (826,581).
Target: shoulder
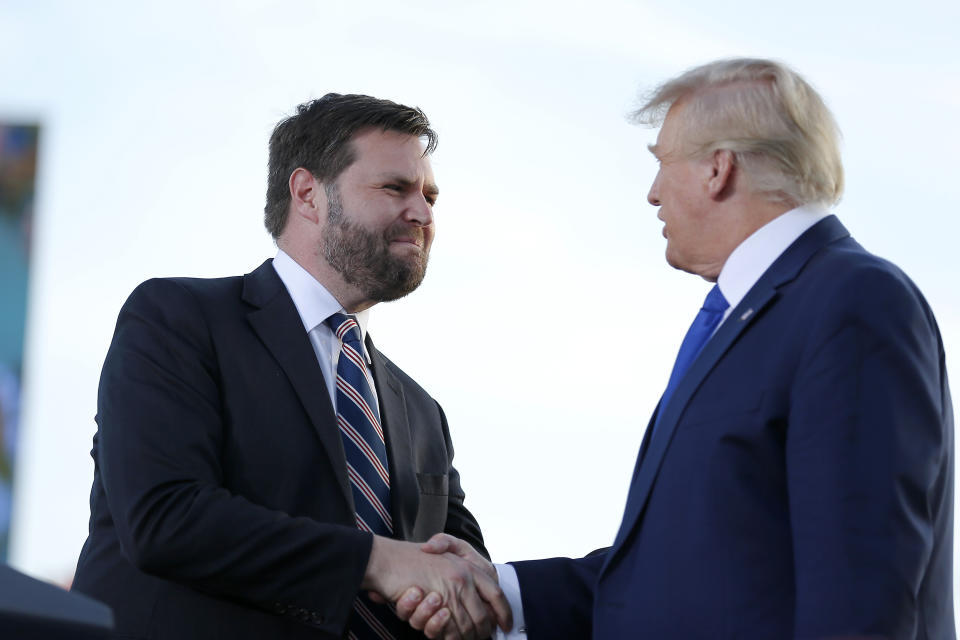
(170,298)
(183,289)
(852,278)
(170,310)
(846,288)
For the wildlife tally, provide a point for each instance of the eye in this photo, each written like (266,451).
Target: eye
(393,187)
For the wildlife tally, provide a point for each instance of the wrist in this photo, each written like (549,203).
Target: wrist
(377,564)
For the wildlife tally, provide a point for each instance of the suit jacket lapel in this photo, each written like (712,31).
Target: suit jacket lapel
(763,294)
(404,490)
(277,323)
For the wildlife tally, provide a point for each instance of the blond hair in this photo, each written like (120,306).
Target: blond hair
(777,126)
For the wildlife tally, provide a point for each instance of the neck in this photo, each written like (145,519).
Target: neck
(349,297)
(742,217)
(755,212)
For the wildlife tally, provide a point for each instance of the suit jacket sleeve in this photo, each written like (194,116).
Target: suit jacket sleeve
(868,451)
(161,432)
(557,595)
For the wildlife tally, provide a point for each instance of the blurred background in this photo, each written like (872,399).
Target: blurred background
(149,123)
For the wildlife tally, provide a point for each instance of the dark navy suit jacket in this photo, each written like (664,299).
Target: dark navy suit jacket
(800,483)
(221,506)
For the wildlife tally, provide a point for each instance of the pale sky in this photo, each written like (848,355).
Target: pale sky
(153,163)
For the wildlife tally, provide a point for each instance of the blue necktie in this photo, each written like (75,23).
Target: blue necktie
(699,332)
(363,445)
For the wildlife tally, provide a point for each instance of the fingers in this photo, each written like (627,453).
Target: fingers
(470,611)
(466,614)
(482,622)
(445,543)
(493,595)
(424,611)
(429,615)
(439,543)
(441,627)
(432,617)
(434,627)
(462,607)
(450,631)
(409,602)
(450,592)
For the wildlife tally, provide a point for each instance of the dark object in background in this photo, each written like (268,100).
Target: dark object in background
(30,608)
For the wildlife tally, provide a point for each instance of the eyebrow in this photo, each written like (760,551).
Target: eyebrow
(430,188)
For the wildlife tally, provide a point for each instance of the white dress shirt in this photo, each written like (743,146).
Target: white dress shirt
(315,304)
(753,256)
(740,272)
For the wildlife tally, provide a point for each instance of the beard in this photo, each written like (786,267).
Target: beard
(363,259)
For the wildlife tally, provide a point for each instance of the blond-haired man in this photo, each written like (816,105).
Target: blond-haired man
(796,478)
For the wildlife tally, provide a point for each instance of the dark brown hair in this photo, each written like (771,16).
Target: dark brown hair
(318,138)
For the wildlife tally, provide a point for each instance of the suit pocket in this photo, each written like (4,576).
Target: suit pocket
(433,484)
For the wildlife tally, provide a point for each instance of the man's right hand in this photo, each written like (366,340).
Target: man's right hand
(428,613)
(470,595)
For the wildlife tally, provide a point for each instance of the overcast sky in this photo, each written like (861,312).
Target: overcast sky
(153,161)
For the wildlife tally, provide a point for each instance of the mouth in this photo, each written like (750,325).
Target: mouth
(416,242)
(407,239)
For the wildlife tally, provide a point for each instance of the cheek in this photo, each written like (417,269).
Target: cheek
(680,232)
(670,195)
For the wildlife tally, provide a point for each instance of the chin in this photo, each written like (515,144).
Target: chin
(672,260)
(680,265)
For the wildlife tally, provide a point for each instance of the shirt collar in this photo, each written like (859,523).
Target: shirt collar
(313,302)
(754,255)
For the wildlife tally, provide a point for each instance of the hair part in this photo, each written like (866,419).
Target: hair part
(777,126)
(319,138)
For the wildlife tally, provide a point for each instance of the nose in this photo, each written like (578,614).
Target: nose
(653,196)
(419,211)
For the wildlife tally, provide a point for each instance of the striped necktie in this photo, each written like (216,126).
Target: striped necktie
(359,420)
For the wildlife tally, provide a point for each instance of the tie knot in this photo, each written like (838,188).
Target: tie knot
(345,327)
(715,301)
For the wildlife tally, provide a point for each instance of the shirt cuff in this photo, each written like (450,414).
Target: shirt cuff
(510,585)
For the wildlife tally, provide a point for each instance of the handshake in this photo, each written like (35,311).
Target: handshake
(442,587)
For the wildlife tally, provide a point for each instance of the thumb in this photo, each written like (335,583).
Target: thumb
(440,543)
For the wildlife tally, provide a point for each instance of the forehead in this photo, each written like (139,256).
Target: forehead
(379,152)
(672,125)
(670,138)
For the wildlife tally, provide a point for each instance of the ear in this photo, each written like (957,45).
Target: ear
(722,166)
(307,197)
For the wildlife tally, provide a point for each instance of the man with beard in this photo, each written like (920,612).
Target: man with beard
(261,470)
